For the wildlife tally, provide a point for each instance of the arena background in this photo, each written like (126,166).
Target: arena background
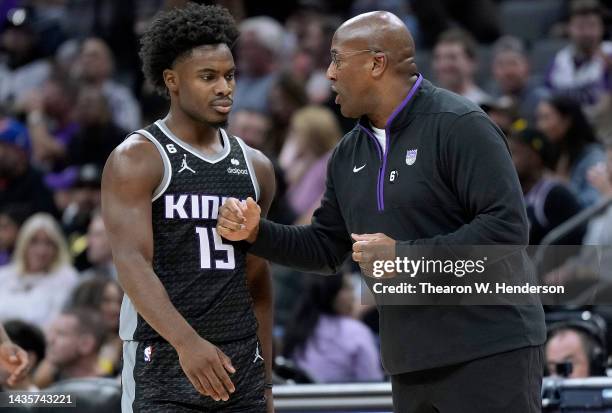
(71,89)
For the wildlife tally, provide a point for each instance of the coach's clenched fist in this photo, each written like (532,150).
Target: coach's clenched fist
(369,248)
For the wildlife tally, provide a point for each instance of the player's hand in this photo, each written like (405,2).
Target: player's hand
(14,360)
(239,220)
(372,247)
(207,368)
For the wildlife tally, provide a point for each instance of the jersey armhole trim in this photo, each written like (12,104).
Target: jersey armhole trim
(250,167)
(165,181)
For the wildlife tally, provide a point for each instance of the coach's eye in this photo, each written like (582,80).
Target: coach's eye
(230,76)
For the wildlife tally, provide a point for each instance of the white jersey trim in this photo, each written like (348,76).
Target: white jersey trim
(250,167)
(206,158)
(165,181)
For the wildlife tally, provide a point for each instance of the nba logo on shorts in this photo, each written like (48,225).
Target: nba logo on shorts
(411,156)
(148,352)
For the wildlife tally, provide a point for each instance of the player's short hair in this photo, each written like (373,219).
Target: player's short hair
(175,33)
(461,37)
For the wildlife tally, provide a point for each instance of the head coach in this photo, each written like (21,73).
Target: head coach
(422,167)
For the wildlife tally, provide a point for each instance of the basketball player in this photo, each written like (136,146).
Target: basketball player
(196,316)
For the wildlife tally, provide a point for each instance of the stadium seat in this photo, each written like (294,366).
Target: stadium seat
(529,19)
(542,53)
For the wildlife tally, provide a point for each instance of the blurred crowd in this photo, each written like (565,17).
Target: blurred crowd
(71,89)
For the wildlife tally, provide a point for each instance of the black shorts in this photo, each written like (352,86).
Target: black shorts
(509,382)
(153,380)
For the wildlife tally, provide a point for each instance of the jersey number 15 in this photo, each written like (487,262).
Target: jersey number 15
(206,260)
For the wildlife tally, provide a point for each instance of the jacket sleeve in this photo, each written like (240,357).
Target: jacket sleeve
(476,163)
(320,247)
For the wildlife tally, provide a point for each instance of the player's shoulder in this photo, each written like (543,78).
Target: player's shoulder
(136,156)
(257,158)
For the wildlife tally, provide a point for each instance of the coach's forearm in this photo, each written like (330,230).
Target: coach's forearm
(298,247)
(151,300)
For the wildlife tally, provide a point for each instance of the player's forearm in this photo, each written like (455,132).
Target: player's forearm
(151,301)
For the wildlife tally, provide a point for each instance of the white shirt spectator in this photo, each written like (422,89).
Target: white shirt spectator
(35,298)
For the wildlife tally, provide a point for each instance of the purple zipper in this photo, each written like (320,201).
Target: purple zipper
(380,194)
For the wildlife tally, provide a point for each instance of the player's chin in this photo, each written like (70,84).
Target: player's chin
(218,120)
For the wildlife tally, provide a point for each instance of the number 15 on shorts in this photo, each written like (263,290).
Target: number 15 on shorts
(207,261)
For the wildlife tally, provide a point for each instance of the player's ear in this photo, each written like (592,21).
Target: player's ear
(171,80)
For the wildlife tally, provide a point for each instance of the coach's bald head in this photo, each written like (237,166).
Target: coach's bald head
(372,57)
(384,32)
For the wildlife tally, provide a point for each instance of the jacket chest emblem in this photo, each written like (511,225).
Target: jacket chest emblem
(411,155)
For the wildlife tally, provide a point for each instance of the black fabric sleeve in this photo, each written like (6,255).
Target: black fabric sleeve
(476,163)
(319,247)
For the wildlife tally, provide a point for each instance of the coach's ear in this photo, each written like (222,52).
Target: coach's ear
(171,80)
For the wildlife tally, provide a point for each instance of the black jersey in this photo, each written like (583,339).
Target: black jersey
(204,275)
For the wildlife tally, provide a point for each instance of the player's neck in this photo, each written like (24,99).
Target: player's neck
(197,134)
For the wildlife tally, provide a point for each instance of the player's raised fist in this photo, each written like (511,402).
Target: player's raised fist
(239,220)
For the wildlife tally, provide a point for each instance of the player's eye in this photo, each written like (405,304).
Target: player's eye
(230,76)
(207,77)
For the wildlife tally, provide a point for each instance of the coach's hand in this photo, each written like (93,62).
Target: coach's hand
(372,247)
(239,220)
(207,368)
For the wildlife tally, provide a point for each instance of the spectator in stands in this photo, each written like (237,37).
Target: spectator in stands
(479,17)
(502,111)
(74,339)
(50,122)
(571,346)
(31,339)
(549,202)
(95,68)
(594,261)
(103,295)
(38,280)
(583,69)
(11,219)
(22,67)
(99,254)
(84,200)
(254,128)
(455,63)
(325,341)
(98,135)
(286,96)
(600,175)
(313,133)
(20,183)
(260,50)
(13,130)
(511,73)
(567,128)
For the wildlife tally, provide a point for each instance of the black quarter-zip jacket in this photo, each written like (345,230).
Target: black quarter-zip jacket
(446,178)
